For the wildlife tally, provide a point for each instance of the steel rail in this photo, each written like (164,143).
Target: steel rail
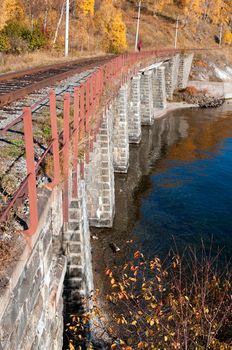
(39,82)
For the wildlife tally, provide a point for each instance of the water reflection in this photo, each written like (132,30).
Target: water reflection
(179,183)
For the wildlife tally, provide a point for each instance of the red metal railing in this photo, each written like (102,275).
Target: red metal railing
(88,101)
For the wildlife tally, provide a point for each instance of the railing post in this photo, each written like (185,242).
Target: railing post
(91,110)
(66,156)
(87,105)
(91,94)
(55,141)
(82,125)
(75,141)
(31,175)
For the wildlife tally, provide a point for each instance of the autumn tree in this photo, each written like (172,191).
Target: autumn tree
(86,6)
(216,11)
(11,10)
(191,9)
(153,5)
(110,27)
(227,37)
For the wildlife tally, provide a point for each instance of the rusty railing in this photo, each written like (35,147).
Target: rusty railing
(88,100)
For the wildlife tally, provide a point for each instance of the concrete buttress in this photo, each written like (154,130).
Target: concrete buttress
(146,98)
(134,110)
(120,131)
(159,88)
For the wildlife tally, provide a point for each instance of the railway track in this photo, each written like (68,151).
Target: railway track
(17,85)
(31,88)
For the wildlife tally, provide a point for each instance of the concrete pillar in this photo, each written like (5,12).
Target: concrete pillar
(120,131)
(146,98)
(134,111)
(176,65)
(184,70)
(171,75)
(159,88)
(99,175)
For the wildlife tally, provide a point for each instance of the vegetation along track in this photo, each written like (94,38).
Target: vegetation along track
(16,85)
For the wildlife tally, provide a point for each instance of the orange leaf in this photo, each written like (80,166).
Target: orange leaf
(109,273)
(137,254)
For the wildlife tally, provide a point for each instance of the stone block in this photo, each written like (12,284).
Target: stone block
(75,259)
(8,321)
(73,226)
(75,271)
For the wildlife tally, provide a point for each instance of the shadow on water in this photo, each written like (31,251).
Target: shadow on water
(178,188)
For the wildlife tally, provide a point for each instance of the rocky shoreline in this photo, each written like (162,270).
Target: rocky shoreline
(198,97)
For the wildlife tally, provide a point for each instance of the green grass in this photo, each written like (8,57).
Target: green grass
(14,149)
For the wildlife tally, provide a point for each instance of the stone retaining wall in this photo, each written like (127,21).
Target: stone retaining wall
(31,308)
(217,89)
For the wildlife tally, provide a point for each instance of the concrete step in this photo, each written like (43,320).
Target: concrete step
(76,259)
(72,247)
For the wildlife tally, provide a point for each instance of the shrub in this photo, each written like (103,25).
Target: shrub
(191,90)
(13,29)
(18,38)
(13,32)
(201,63)
(35,38)
(183,303)
(17,45)
(4,43)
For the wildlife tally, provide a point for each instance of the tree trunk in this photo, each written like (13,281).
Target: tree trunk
(59,23)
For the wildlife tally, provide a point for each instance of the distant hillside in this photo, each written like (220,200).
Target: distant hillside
(157,29)
(34,29)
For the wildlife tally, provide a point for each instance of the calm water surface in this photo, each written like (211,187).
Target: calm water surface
(190,193)
(179,185)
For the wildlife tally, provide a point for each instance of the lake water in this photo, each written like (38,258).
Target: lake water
(178,190)
(190,193)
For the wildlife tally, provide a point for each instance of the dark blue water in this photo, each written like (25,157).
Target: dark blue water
(178,189)
(186,194)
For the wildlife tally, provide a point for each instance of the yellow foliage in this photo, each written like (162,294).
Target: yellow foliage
(71,347)
(87,6)
(227,37)
(118,37)
(155,5)
(110,26)
(11,10)
(218,11)
(197,7)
